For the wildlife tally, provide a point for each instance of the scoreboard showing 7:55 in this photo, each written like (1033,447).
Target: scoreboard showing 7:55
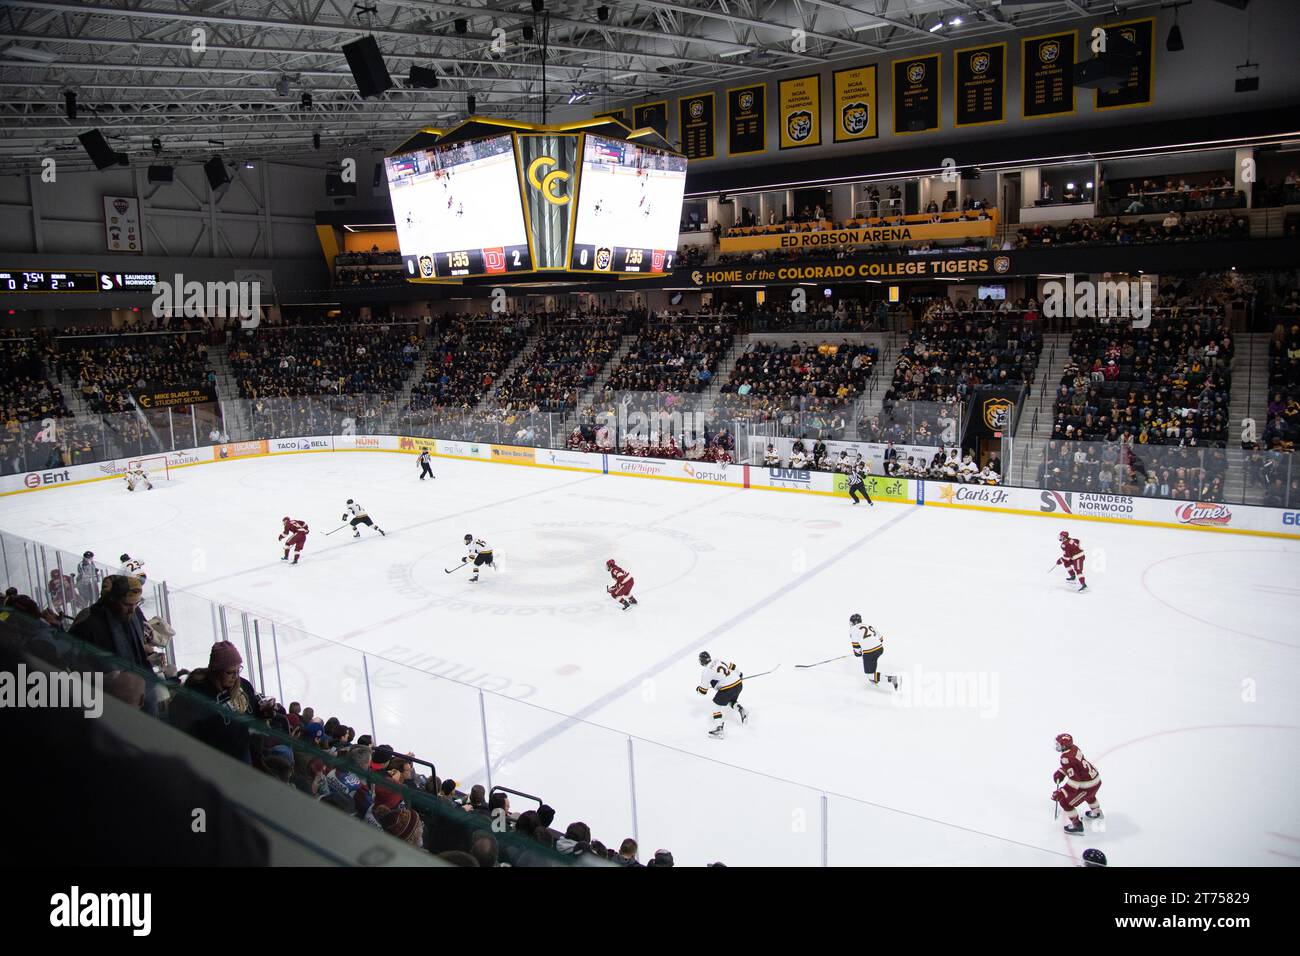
(629,208)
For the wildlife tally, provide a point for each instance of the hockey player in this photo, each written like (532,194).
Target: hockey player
(479,553)
(134,475)
(356,516)
(1072,559)
(131,567)
(727,680)
(294,537)
(1077,783)
(621,589)
(869,645)
(63,595)
(88,579)
(858,483)
(772,459)
(425,470)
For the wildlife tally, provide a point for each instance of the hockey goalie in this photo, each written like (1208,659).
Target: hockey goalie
(136,475)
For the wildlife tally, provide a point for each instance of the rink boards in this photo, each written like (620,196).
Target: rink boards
(1076,506)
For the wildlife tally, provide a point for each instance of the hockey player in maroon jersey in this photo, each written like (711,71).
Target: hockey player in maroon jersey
(294,537)
(1072,559)
(1077,783)
(621,589)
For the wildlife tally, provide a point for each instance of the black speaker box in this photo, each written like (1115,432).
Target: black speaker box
(160,174)
(367,66)
(101,154)
(216,171)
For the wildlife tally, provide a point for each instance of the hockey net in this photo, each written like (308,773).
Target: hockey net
(155,466)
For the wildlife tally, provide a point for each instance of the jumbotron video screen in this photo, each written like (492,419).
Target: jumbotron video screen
(629,208)
(459,211)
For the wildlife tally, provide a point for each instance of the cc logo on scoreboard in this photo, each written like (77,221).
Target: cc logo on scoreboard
(548,183)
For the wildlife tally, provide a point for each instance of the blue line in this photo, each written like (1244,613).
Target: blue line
(635,682)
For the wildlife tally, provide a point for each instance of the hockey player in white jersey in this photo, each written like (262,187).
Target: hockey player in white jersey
(356,516)
(478,552)
(727,680)
(136,475)
(131,567)
(869,645)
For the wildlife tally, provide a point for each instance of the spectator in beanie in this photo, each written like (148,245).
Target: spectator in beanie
(219,682)
(401,823)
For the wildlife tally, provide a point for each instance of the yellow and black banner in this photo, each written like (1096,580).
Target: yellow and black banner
(800,112)
(172,397)
(902,267)
(980,85)
(695,121)
(1139,88)
(1047,75)
(620,115)
(653,115)
(916,94)
(960,228)
(747,119)
(855,103)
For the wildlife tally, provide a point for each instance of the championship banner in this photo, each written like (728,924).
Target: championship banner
(695,122)
(916,94)
(122,224)
(855,104)
(975,265)
(620,115)
(747,120)
(800,112)
(1047,75)
(863,236)
(980,85)
(148,398)
(1138,89)
(653,115)
(549,162)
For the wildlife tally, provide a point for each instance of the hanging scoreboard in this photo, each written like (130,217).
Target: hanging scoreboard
(459,210)
(629,208)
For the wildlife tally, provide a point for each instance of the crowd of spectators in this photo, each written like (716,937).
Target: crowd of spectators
(1282,429)
(568,357)
(466,358)
(677,355)
(954,347)
(1174,227)
(303,360)
(1149,195)
(319,757)
(110,366)
(1122,467)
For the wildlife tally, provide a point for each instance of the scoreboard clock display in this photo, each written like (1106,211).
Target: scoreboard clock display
(629,208)
(47,281)
(459,210)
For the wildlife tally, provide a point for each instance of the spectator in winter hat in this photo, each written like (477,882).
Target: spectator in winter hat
(112,623)
(661,858)
(401,823)
(382,755)
(221,683)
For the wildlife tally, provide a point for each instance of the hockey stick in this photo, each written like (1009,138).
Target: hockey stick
(456,568)
(339,528)
(761,673)
(820,663)
(1053,567)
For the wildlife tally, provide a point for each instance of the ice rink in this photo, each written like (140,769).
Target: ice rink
(1177,672)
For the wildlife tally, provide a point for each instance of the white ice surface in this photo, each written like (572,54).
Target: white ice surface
(1178,672)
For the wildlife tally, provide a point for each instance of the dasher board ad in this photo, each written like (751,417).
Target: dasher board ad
(459,211)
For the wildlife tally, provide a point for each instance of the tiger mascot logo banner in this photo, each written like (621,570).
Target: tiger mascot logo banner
(799,125)
(855,118)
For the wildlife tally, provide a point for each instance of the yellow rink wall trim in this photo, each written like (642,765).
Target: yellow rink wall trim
(1136,522)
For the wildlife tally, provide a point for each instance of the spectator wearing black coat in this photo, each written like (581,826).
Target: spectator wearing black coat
(221,684)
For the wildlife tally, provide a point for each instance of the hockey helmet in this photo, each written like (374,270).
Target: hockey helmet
(610,564)
(1064,741)
(88,554)
(286,519)
(705,658)
(855,619)
(469,538)
(1064,535)
(1094,857)
(125,557)
(349,501)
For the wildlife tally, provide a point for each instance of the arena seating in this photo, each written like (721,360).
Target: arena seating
(466,357)
(1172,228)
(673,356)
(109,365)
(569,355)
